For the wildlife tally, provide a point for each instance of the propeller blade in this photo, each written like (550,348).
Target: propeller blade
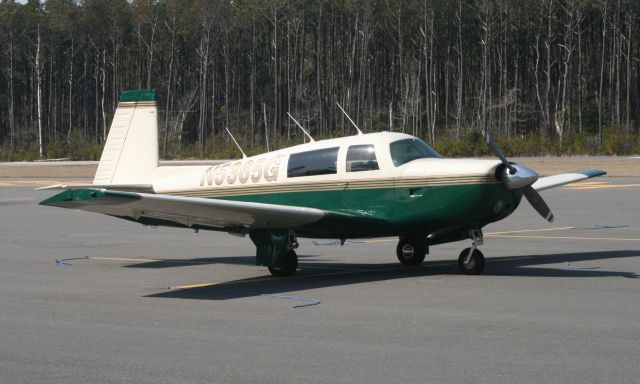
(498,153)
(538,204)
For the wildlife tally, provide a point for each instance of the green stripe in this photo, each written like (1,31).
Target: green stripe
(138,95)
(71,195)
(591,172)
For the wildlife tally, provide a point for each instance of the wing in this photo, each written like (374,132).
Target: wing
(215,214)
(565,178)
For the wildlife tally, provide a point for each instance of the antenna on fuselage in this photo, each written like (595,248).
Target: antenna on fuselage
(303,130)
(345,113)
(237,145)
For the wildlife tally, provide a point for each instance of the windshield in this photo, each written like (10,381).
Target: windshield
(406,150)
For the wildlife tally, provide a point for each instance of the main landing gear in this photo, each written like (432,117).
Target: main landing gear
(289,266)
(411,250)
(290,262)
(471,260)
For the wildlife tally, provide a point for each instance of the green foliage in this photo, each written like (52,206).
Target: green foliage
(23,154)
(471,144)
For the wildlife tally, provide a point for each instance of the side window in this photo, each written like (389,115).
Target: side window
(311,163)
(361,158)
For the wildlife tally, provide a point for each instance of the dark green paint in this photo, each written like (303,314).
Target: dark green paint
(70,195)
(138,95)
(591,173)
(354,213)
(401,211)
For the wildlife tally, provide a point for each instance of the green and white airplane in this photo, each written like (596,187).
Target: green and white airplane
(361,186)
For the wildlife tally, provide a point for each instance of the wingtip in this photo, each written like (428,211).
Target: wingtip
(592,172)
(56,186)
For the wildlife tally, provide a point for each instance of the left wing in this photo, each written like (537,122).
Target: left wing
(216,214)
(565,178)
(117,187)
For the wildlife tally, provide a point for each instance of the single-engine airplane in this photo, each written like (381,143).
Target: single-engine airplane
(361,186)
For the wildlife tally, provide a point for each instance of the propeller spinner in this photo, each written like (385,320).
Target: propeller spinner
(516,176)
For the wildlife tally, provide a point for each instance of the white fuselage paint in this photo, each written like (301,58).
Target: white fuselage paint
(270,169)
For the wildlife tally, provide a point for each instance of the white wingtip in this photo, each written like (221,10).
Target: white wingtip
(57,186)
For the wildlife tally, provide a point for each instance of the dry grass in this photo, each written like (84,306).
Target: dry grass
(49,171)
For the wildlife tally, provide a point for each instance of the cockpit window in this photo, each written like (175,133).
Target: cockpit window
(312,163)
(406,150)
(361,158)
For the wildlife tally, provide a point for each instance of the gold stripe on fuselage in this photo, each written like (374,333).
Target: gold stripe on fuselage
(292,187)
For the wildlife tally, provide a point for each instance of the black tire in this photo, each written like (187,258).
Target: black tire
(475,265)
(411,251)
(289,268)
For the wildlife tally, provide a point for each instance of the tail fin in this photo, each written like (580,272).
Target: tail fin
(130,154)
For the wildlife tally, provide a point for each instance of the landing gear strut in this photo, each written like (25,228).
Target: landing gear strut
(471,260)
(412,250)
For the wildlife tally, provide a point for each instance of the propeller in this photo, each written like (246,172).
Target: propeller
(538,203)
(516,176)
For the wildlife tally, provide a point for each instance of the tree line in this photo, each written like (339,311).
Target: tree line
(432,68)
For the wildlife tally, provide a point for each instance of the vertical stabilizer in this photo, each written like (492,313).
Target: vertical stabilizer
(130,154)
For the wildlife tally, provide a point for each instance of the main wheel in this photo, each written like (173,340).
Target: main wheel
(475,264)
(411,250)
(288,268)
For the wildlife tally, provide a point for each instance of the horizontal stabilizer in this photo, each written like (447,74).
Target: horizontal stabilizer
(565,178)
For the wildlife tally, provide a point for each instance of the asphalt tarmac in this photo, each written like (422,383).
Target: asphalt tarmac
(558,303)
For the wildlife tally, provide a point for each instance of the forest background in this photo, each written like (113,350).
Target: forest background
(543,76)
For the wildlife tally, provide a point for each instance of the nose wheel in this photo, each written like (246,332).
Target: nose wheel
(471,260)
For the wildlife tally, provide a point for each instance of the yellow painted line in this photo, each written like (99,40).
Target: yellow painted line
(341,271)
(193,286)
(124,259)
(567,237)
(34,183)
(594,182)
(527,230)
(336,268)
(175,261)
(203,262)
(611,186)
(379,240)
(297,277)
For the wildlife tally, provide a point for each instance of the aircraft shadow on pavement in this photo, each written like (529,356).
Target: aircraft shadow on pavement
(172,263)
(312,275)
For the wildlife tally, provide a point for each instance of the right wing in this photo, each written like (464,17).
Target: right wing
(565,178)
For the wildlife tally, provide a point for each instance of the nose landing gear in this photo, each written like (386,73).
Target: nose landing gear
(471,260)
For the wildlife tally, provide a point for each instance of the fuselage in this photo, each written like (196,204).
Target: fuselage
(393,177)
